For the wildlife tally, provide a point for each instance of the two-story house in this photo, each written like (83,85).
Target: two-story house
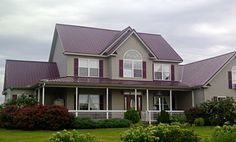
(101,73)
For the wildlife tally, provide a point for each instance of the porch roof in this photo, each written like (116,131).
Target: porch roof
(106,82)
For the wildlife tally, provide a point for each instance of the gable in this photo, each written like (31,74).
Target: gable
(94,41)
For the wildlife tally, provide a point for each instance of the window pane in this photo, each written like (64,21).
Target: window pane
(83,102)
(127,65)
(127,73)
(137,65)
(166,68)
(83,71)
(166,76)
(93,63)
(157,68)
(137,73)
(158,75)
(133,55)
(94,102)
(94,72)
(83,63)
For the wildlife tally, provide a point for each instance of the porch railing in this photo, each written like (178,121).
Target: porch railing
(148,116)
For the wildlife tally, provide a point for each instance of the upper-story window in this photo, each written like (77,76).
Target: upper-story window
(88,67)
(234,75)
(161,71)
(132,64)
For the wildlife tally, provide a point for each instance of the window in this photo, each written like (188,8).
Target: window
(88,67)
(14,97)
(163,102)
(161,71)
(219,98)
(132,64)
(89,102)
(234,75)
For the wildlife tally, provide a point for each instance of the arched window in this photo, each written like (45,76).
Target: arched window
(234,75)
(132,64)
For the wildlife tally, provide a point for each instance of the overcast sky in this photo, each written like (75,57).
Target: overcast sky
(196,29)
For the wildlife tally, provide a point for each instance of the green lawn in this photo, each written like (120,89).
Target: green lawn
(103,135)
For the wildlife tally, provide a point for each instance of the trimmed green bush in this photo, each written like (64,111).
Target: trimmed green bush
(199,121)
(113,123)
(178,118)
(159,133)
(163,117)
(83,123)
(224,134)
(88,123)
(132,115)
(72,136)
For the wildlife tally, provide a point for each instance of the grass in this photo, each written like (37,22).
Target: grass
(103,135)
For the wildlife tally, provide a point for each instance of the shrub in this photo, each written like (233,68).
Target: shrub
(163,117)
(72,136)
(193,113)
(132,115)
(88,123)
(139,133)
(36,117)
(178,118)
(7,116)
(83,123)
(199,121)
(22,101)
(113,123)
(161,133)
(224,134)
(219,112)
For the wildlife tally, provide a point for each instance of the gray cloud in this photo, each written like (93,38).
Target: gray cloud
(195,28)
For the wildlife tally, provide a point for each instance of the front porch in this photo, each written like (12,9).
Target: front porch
(112,102)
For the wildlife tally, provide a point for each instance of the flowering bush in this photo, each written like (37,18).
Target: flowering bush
(72,136)
(160,133)
(224,134)
(22,101)
(7,116)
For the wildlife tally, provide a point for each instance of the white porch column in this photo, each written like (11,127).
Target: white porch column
(193,101)
(107,93)
(135,98)
(38,95)
(76,101)
(147,93)
(159,103)
(170,102)
(43,95)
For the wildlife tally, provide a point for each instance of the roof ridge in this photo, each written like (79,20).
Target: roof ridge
(211,58)
(149,33)
(87,27)
(30,61)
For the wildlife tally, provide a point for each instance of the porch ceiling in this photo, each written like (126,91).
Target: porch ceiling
(105,82)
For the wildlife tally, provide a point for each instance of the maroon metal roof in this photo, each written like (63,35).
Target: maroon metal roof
(106,82)
(200,72)
(87,40)
(25,74)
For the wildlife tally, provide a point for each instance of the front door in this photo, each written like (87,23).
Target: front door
(129,102)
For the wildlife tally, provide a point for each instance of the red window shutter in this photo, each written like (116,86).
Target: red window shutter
(76,64)
(230,79)
(101,68)
(144,70)
(172,73)
(120,68)
(101,100)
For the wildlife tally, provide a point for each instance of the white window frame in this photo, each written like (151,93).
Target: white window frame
(162,72)
(88,66)
(132,64)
